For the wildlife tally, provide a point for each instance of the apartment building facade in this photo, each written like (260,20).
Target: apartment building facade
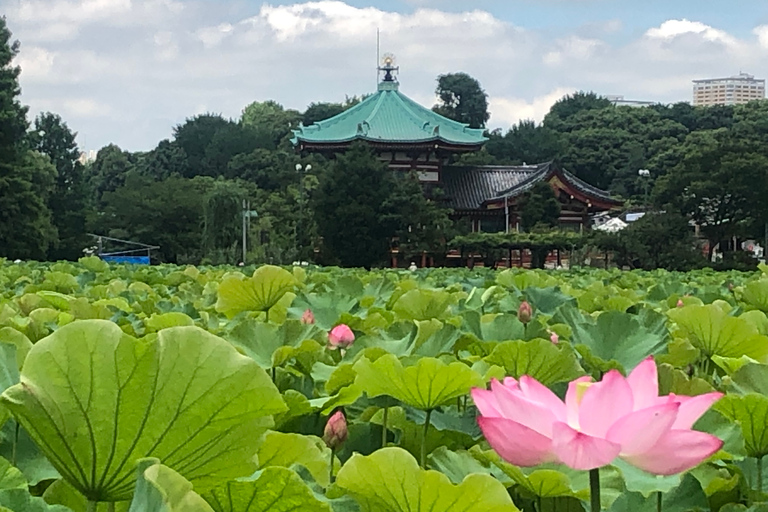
(734,90)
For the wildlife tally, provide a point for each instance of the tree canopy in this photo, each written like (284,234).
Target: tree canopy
(462,99)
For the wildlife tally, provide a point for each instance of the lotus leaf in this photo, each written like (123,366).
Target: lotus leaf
(161,489)
(390,479)
(96,400)
(425,385)
(257,293)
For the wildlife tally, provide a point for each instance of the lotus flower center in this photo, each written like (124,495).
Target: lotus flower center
(581,388)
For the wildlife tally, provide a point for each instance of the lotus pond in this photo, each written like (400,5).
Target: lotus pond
(171,388)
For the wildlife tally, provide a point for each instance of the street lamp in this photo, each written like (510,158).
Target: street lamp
(299,168)
(645,173)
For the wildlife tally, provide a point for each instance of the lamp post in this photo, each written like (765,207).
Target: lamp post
(645,173)
(300,169)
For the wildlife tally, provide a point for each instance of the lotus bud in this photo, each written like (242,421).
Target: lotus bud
(524,312)
(554,338)
(680,303)
(335,432)
(308,317)
(341,337)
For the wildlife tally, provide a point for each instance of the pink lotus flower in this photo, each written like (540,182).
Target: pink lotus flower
(341,337)
(524,312)
(680,303)
(308,317)
(527,424)
(554,338)
(335,433)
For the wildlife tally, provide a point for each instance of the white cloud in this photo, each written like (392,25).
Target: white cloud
(671,29)
(506,111)
(130,70)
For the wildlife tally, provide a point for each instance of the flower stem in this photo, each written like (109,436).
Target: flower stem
(91,506)
(594,489)
(424,439)
(658,501)
(331,479)
(760,474)
(15,444)
(384,428)
(111,506)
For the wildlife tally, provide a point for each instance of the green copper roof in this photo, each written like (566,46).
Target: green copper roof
(388,116)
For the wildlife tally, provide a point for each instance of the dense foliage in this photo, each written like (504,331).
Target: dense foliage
(131,373)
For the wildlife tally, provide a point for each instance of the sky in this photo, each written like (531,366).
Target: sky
(128,71)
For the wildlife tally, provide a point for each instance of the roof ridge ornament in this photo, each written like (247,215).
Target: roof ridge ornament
(388,67)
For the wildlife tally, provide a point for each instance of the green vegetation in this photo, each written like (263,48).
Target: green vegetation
(116,379)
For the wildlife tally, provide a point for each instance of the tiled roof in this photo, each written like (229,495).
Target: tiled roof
(467,188)
(389,116)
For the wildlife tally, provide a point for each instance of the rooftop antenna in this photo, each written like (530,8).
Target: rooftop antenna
(377,56)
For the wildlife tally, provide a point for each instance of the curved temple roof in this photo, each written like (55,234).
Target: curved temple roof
(389,116)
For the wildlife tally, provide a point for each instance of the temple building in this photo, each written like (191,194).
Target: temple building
(410,137)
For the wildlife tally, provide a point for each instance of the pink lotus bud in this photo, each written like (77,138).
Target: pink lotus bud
(341,336)
(335,432)
(524,312)
(680,303)
(308,317)
(554,338)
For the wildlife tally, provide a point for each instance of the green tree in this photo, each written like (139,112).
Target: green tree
(318,111)
(141,211)
(271,120)
(349,206)
(69,202)
(421,223)
(462,99)
(26,177)
(222,221)
(525,142)
(110,169)
(720,184)
(194,136)
(657,240)
(166,160)
(539,208)
(571,105)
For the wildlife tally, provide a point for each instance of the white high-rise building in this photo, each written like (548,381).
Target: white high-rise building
(734,90)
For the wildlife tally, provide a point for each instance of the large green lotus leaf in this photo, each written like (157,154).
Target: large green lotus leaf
(19,500)
(29,459)
(457,465)
(61,493)
(326,307)
(298,406)
(259,340)
(427,384)
(391,480)
(274,489)
(285,450)
(714,332)
(750,412)
(622,337)
(688,496)
(751,378)
(738,507)
(556,481)
(758,319)
(434,338)
(11,477)
(423,304)
(257,293)
(637,480)
(547,300)
(58,300)
(161,489)
(755,293)
(540,359)
(96,400)
(672,380)
(157,322)
(22,343)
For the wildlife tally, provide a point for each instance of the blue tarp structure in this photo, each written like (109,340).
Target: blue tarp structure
(139,260)
(136,253)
